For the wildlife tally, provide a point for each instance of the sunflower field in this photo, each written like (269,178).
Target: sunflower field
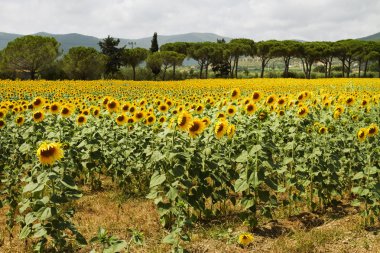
(199,149)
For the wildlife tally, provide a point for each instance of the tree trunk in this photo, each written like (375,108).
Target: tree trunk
(360,67)
(330,64)
(174,71)
(232,68)
(236,66)
(32,74)
(164,74)
(201,71)
(348,67)
(379,67)
(286,70)
(326,63)
(365,68)
(206,69)
(343,64)
(134,72)
(262,68)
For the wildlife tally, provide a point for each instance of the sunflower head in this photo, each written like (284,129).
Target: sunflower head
(372,130)
(49,153)
(113,106)
(231,129)
(20,120)
(322,130)
(245,239)
(231,110)
(184,120)
(220,128)
(38,102)
(197,126)
(235,93)
(362,134)
(270,99)
(81,119)
(54,108)
(66,111)
(121,119)
(150,119)
(38,116)
(256,96)
(303,111)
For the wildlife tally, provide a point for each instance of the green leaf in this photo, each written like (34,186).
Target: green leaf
(243,158)
(46,214)
(116,247)
(157,179)
(25,231)
(255,149)
(247,202)
(358,175)
(288,160)
(40,233)
(240,185)
(169,239)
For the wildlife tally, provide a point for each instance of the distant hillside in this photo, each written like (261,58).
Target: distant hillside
(74,39)
(373,37)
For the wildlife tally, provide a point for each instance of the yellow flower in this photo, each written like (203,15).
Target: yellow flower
(150,119)
(245,239)
(250,108)
(184,120)
(372,130)
(362,134)
(38,102)
(121,119)
(303,111)
(81,119)
(66,111)
(196,128)
(231,131)
(38,116)
(322,130)
(2,123)
(139,116)
(256,96)
(220,128)
(350,100)
(207,121)
(270,99)
(20,120)
(48,153)
(54,108)
(231,110)
(235,93)
(113,106)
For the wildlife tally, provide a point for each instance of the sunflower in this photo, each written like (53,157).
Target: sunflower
(2,123)
(184,120)
(322,130)
(38,116)
(250,108)
(220,128)
(126,107)
(231,110)
(139,115)
(38,102)
(95,111)
(66,111)
(113,106)
(350,100)
(270,99)
(231,129)
(48,153)
(281,102)
(20,120)
(372,130)
(245,239)
(162,119)
(199,108)
(281,112)
(81,119)
(121,119)
(362,134)
(303,111)
(207,121)
(54,108)
(2,113)
(150,119)
(163,107)
(196,128)
(131,120)
(235,93)
(256,96)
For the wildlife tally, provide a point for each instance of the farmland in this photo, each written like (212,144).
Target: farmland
(181,155)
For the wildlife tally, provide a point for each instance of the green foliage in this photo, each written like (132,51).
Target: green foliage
(109,47)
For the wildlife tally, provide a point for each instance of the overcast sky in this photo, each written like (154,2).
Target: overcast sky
(256,19)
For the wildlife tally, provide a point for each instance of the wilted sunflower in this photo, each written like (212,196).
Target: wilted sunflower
(184,120)
(303,111)
(48,153)
(372,130)
(245,239)
(231,131)
(196,128)
(2,123)
(121,119)
(38,116)
(362,134)
(81,119)
(220,128)
(20,120)
(250,108)
(54,108)
(235,93)
(231,110)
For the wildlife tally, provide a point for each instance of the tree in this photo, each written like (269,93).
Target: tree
(109,47)
(264,52)
(134,57)
(30,54)
(84,63)
(220,59)
(202,52)
(309,53)
(326,56)
(375,54)
(154,63)
(287,50)
(238,48)
(171,58)
(154,45)
(346,51)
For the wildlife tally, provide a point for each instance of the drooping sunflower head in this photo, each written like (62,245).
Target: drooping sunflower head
(20,120)
(38,116)
(231,129)
(362,134)
(81,119)
(197,126)
(184,120)
(220,128)
(372,130)
(49,153)
(245,239)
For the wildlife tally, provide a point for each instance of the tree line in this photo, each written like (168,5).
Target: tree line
(36,56)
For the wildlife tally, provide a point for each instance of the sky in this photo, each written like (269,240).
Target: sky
(256,19)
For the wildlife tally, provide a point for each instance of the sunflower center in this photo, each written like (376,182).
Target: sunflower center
(54,107)
(182,122)
(19,120)
(256,95)
(120,118)
(65,111)
(371,130)
(81,119)
(37,115)
(48,152)
(195,127)
(112,105)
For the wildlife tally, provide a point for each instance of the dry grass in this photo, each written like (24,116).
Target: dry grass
(299,234)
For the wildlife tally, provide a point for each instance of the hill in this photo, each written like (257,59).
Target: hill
(373,37)
(74,39)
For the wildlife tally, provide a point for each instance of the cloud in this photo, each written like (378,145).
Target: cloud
(256,19)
